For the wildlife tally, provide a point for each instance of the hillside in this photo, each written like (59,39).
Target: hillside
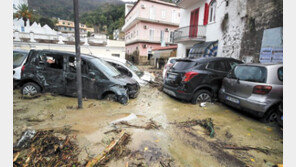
(64,8)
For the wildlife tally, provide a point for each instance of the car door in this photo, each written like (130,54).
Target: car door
(52,69)
(218,70)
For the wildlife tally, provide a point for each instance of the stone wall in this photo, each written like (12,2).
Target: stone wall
(233,26)
(261,15)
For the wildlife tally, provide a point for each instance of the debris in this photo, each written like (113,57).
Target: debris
(228,135)
(69,107)
(150,125)
(110,150)
(35,120)
(45,149)
(31,96)
(206,123)
(128,118)
(113,130)
(91,105)
(246,148)
(203,104)
(25,139)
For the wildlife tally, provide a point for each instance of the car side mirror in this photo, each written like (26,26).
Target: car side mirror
(92,74)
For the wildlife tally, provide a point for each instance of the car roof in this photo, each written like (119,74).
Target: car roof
(208,59)
(262,65)
(21,50)
(112,58)
(84,56)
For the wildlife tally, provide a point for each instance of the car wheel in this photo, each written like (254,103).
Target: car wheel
(30,89)
(202,96)
(123,99)
(134,96)
(110,97)
(271,115)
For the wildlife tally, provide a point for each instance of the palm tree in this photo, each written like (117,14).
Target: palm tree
(23,12)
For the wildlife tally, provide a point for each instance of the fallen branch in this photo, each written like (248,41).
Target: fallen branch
(148,126)
(206,123)
(246,148)
(104,156)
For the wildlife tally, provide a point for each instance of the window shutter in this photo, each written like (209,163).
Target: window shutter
(206,14)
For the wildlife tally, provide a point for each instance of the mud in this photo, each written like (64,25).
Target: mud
(168,145)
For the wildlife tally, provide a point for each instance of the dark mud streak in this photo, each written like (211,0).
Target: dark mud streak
(216,151)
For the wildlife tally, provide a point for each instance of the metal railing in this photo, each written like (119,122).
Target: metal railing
(195,32)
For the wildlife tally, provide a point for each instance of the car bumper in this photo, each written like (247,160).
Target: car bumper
(251,106)
(175,92)
(15,83)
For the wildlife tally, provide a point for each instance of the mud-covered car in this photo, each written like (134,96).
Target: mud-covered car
(256,89)
(19,58)
(55,71)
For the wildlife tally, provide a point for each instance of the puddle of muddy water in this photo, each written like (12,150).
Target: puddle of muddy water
(169,142)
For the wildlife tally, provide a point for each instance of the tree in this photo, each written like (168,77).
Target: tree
(49,22)
(23,12)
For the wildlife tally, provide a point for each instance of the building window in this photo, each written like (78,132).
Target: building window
(174,16)
(151,34)
(115,55)
(163,14)
(212,17)
(161,35)
(171,36)
(152,13)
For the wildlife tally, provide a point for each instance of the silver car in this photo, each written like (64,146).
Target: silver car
(254,88)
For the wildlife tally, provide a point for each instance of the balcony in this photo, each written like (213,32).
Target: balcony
(190,33)
(187,3)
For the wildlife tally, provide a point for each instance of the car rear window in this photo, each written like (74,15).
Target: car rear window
(18,58)
(184,65)
(250,73)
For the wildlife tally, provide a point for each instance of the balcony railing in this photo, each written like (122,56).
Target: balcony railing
(190,33)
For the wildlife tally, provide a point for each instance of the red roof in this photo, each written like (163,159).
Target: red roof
(165,48)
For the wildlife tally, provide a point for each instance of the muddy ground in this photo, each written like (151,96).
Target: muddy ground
(169,144)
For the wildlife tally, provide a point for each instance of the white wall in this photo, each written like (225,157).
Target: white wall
(113,47)
(229,41)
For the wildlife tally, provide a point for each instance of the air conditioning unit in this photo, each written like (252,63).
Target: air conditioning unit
(144,46)
(166,29)
(145,27)
(143,6)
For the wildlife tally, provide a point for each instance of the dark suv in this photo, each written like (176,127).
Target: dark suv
(197,80)
(55,71)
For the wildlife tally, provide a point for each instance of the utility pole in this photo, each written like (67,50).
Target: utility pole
(78,57)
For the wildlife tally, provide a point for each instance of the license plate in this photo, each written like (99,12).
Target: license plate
(169,92)
(172,76)
(234,100)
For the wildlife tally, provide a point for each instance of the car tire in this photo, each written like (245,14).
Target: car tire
(134,96)
(30,89)
(110,97)
(202,96)
(270,116)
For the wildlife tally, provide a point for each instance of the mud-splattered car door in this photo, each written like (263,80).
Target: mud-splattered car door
(70,76)
(53,72)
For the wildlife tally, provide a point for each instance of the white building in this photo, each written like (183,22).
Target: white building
(17,3)
(213,27)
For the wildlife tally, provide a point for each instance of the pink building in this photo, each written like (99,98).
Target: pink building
(149,24)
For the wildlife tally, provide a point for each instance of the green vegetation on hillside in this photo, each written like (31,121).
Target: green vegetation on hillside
(105,18)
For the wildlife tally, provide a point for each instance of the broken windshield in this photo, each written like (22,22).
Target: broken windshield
(134,69)
(105,67)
